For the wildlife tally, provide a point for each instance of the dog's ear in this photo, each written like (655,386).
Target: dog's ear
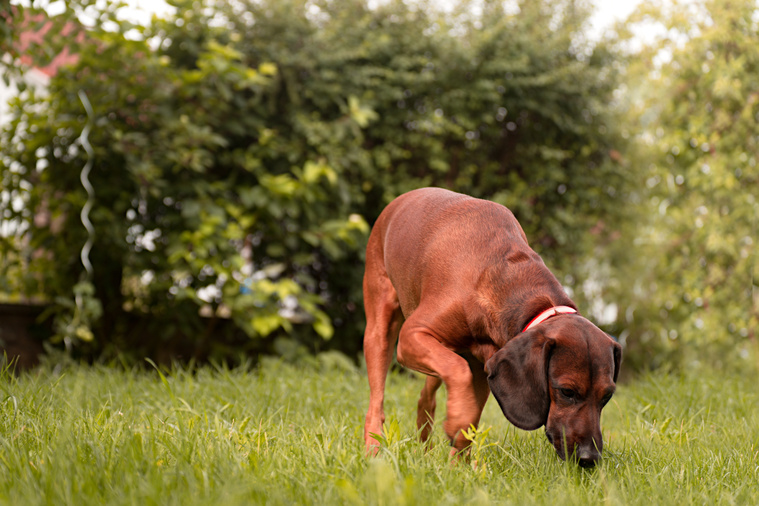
(617,359)
(518,378)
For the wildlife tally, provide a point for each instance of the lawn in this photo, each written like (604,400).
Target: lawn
(292,434)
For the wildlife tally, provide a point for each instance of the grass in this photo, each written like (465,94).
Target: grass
(292,434)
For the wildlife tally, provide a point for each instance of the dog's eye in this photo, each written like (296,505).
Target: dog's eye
(568,393)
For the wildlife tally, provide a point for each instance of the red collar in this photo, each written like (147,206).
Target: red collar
(547,314)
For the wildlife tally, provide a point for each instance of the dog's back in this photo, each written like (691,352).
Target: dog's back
(446,234)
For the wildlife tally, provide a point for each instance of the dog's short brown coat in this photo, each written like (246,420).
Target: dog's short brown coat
(452,280)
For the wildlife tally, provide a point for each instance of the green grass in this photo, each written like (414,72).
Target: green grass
(284,434)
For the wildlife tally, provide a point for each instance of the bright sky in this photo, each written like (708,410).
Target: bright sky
(608,11)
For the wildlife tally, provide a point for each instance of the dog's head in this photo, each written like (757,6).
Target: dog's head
(559,374)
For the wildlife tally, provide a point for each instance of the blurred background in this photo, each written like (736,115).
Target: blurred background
(196,181)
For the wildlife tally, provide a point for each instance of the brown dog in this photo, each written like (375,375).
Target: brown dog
(452,279)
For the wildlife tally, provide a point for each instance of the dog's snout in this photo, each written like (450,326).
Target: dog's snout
(583,454)
(589,462)
(588,457)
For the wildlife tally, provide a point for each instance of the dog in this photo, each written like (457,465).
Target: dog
(452,280)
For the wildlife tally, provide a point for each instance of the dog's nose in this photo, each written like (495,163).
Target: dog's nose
(588,458)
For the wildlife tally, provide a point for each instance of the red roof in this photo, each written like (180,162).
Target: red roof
(36,30)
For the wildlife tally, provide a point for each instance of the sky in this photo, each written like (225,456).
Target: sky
(610,11)
(607,11)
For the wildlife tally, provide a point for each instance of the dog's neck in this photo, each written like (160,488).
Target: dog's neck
(510,298)
(532,308)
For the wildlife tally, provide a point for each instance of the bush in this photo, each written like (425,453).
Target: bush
(242,148)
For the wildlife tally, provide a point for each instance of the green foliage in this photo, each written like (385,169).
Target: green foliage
(76,318)
(8,37)
(285,434)
(693,292)
(242,148)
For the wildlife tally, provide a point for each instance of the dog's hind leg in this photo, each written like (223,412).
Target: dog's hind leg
(425,413)
(383,321)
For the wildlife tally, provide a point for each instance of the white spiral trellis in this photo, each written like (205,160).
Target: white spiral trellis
(84,178)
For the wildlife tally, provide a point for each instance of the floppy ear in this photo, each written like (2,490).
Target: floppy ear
(518,378)
(617,359)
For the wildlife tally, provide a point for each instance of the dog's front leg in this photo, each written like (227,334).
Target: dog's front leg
(418,349)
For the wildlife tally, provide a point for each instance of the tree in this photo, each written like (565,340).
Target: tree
(694,290)
(241,148)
